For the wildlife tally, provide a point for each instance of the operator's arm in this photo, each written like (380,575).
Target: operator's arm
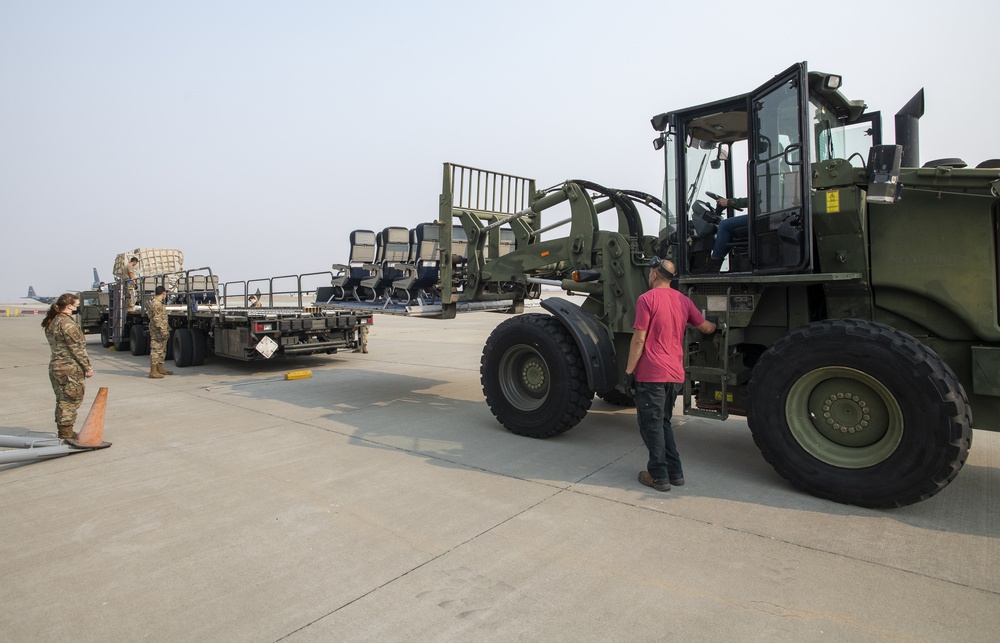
(706,327)
(635,350)
(738,203)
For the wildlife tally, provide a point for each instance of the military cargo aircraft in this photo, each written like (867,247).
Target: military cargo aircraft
(97,285)
(32,295)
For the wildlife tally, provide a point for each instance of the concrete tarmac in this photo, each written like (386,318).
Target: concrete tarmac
(380,499)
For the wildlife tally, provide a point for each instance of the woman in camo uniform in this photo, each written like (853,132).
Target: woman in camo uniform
(69,366)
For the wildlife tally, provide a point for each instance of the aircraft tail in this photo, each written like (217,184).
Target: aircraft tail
(97,281)
(31,292)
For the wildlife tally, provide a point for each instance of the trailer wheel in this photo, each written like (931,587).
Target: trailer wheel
(105,335)
(138,340)
(860,413)
(183,347)
(123,345)
(197,346)
(533,376)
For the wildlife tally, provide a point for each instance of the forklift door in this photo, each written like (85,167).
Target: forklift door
(780,225)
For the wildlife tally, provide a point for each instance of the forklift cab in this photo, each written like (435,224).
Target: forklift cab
(759,146)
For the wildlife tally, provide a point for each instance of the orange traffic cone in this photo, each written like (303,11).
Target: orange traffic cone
(92,433)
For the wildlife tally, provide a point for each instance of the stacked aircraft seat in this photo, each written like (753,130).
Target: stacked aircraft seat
(392,246)
(419,276)
(358,268)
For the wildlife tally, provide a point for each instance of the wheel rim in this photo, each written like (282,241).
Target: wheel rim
(844,417)
(524,378)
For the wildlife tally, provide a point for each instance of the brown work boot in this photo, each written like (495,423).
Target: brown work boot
(163,371)
(650,481)
(155,374)
(66,432)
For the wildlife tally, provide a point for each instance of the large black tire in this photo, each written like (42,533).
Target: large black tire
(197,347)
(183,347)
(533,376)
(105,335)
(138,340)
(617,397)
(859,413)
(123,345)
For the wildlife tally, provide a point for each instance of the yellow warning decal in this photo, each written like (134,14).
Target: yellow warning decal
(833,201)
(718,396)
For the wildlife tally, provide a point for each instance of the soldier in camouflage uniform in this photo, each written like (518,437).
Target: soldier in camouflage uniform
(69,366)
(128,275)
(159,333)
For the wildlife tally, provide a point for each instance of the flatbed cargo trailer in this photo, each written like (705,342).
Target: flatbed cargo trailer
(204,320)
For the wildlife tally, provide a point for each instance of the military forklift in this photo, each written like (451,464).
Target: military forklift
(856,298)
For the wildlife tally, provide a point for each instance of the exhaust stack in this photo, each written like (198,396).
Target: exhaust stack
(908,131)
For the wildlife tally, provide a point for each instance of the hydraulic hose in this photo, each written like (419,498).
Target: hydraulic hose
(621,201)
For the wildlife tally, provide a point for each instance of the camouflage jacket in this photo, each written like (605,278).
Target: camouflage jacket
(69,346)
(157,317)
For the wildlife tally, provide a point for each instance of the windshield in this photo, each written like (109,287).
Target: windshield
(705,170)
(669,186)
(834,140)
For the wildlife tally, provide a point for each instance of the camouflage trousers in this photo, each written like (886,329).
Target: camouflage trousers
(157,347)
(69,384)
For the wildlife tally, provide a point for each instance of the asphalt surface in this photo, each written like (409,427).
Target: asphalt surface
(380,499)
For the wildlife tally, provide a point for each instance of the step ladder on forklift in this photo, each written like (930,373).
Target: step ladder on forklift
(708,373)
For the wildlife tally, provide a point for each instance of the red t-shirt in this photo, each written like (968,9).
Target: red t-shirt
(664,314)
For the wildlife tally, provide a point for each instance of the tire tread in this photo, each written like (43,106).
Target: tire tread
(920,358)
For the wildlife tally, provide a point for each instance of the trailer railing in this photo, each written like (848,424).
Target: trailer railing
(271,291)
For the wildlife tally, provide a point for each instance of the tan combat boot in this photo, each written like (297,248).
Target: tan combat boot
(163,371)
(66,432)
(154,374)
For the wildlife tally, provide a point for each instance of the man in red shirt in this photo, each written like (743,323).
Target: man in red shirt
(656,362)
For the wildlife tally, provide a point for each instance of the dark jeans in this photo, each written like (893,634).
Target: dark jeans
(654,402)
(725,233)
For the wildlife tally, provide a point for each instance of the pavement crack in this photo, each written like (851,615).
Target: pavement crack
(430,560)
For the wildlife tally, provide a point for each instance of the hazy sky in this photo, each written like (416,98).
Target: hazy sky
(256,135)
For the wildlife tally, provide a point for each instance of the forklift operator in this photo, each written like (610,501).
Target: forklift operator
(725,233)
